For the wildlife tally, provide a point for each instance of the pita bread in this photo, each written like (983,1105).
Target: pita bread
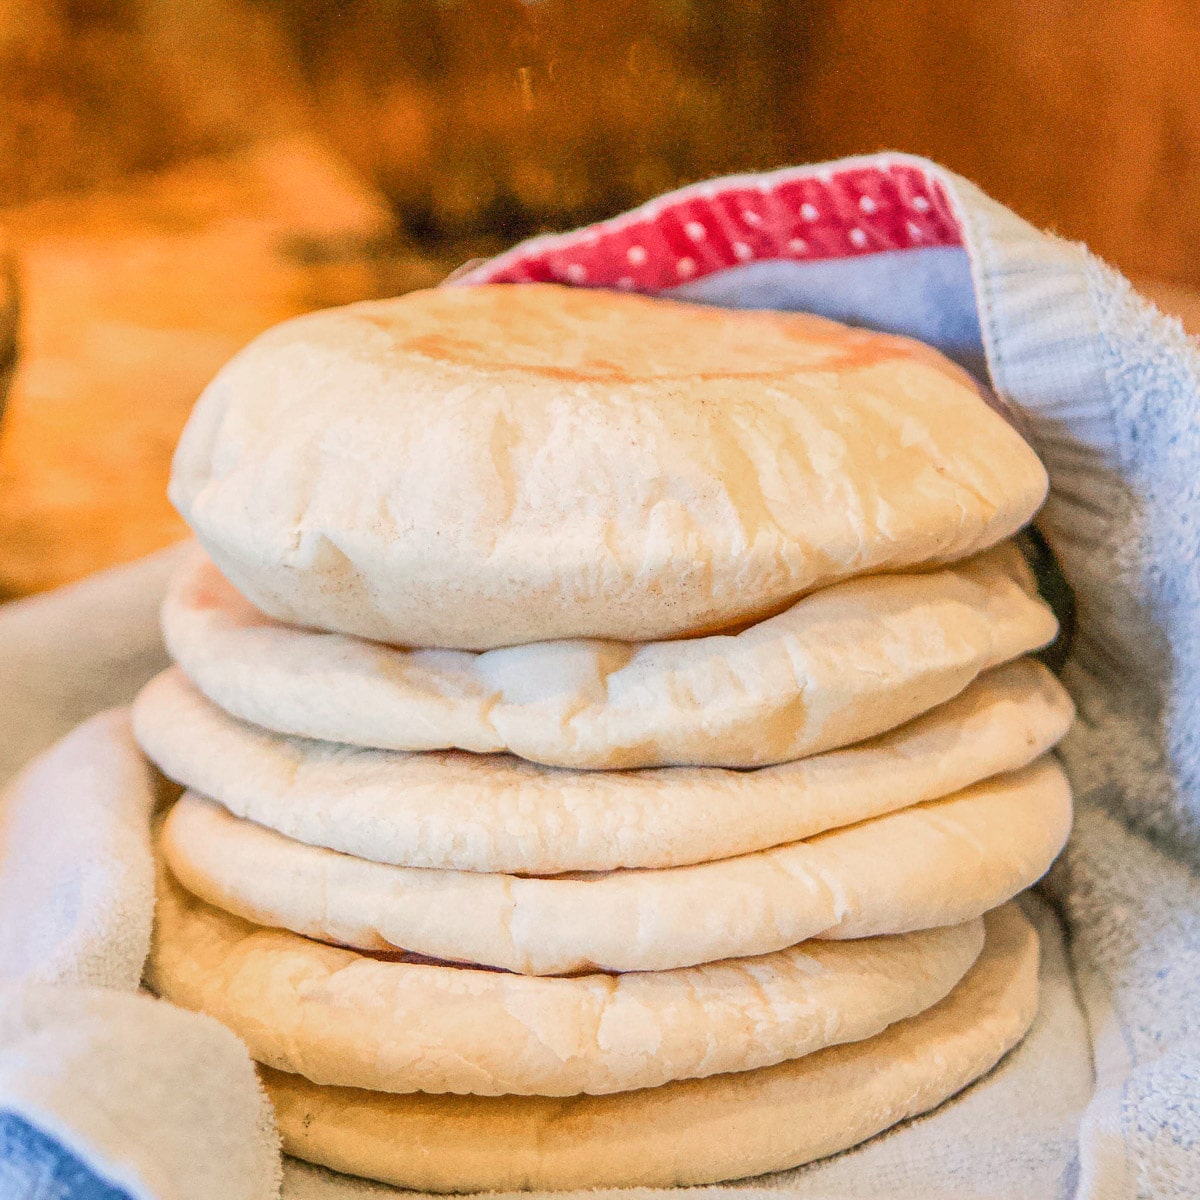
(691,1132)
(839,666)
(936,864)
(498,813)
(337,1016)
(491,466)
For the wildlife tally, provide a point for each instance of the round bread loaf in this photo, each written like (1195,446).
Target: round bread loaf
(695,1131)
(479,467)
(837,666)
(497,813)
(341,1017)
(933,864)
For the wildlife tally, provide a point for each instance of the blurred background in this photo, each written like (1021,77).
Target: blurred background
(175,177)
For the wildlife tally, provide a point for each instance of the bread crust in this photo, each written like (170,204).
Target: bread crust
(467,468)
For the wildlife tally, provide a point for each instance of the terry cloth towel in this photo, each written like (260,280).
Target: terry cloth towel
(1107,390)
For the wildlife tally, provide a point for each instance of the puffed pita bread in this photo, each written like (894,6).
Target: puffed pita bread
(935,864)
(340,1017)
(482,467)
(839,666)
(498,813)
(692,1132)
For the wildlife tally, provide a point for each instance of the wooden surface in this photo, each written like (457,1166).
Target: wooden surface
(131,299)
(499,117)
(1083,118)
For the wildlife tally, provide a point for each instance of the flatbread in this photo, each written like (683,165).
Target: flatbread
(692,1132)
(482,467)
(935,864)
(340,1017)
(498,813)
(839,666)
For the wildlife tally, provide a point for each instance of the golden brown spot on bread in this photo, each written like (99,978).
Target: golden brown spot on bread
(480,354)
(582,335)
(844,357)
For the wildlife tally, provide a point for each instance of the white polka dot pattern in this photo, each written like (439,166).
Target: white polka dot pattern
(801,215)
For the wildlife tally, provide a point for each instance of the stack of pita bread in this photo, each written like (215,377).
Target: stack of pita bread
(610,736)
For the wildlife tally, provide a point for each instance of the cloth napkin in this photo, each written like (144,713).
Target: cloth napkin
(1102,1100)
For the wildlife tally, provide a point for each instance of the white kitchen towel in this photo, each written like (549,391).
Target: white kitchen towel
(152,1102)
(1108,391)
(158,1103)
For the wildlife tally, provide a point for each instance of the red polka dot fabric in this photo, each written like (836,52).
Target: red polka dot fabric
(806,214)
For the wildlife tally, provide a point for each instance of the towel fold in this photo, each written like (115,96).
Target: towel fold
(160,1104)
(149,1101)
(77,907)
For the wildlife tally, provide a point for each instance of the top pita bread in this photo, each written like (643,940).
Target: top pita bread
(838,666)
(479,467)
